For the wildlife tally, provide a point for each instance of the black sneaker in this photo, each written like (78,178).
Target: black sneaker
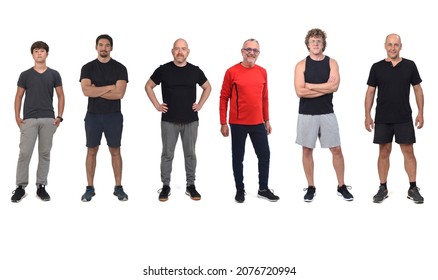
(310,194)
(343,191)
(240,196)
(193,193)
(268,195)
(164,193)
(414,195)
(89,193)
(381,195)
(18,194)
(121,195)
(42,193)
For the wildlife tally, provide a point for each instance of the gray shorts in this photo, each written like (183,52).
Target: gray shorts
(325,127)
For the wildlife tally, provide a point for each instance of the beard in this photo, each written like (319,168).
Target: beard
(103,54)
(250,59)
(180,59)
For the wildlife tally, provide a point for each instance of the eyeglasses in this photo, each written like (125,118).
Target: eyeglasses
(249,50)
(315,42)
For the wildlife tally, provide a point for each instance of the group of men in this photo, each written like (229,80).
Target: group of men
(243,108)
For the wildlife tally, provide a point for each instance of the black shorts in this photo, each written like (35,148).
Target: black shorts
(110,124)
(404,133)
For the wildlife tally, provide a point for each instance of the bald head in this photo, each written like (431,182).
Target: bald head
(181,42)
(393,37)
(180,52)
(393,46)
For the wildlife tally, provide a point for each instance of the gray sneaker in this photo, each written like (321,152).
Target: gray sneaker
(415,196)
(121,195)
(381,195)
(88,195)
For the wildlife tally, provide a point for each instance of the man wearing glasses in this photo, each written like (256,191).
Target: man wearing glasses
(245,89)
(316,79)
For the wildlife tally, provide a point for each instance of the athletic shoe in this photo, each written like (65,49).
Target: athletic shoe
(164,193)
(193,193)
(310,194)
(42,193)
(88,195)
(18,194)
(240,196)
(343,191)
(414,195)
(381,195)
(121,195)
(268,195)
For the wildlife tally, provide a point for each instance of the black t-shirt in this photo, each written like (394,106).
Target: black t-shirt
(393,89)
(103,74)
(178,88)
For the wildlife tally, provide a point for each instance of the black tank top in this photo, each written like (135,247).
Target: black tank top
(317,72)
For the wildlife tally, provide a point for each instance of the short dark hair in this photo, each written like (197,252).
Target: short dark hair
(104,36)
(39,45)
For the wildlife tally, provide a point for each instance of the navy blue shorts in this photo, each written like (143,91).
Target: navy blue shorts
(404,133)
(110,124)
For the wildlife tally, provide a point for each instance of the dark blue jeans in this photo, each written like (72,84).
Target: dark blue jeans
(259,139)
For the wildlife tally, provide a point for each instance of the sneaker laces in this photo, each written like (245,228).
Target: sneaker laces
(241,192)
(344,188)
(415,190)
(42,189)
(119,190)
(161,189)
(191,189)
(17,189)
(269,190)
(13,192)
(89,190)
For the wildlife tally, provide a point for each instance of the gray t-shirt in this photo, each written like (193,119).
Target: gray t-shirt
(38,101)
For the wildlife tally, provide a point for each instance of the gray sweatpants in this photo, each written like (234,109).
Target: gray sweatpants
(31,129)
(169,136)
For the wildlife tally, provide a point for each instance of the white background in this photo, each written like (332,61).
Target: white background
(326,239)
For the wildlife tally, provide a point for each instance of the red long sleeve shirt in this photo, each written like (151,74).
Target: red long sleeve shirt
(247,91)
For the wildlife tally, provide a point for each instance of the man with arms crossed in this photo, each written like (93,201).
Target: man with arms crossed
(104,82)
(316,79)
